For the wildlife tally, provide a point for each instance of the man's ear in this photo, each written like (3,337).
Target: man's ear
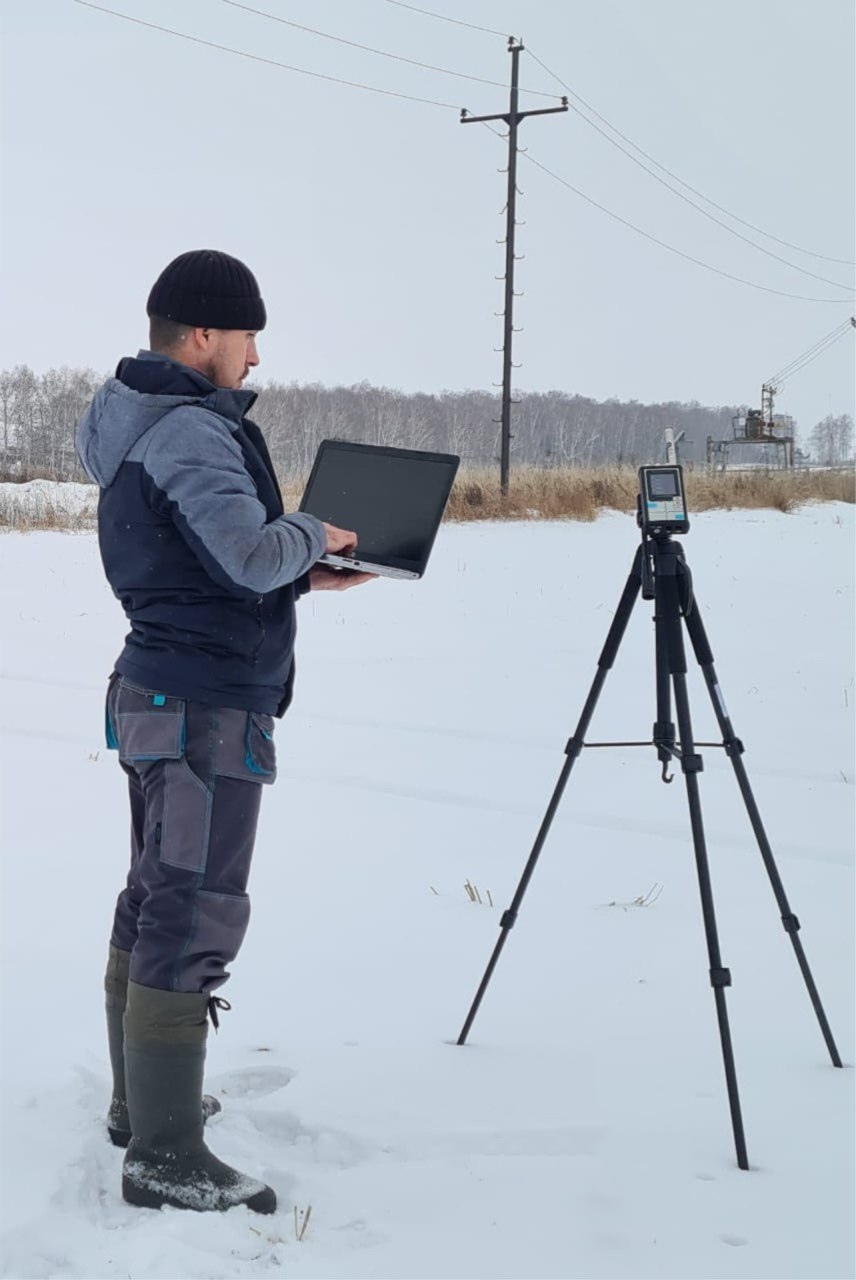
(204,339)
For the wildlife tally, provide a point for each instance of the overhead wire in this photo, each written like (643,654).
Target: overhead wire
(271,62)
(836,284)
(448,106)
(670,247)
(800,362)
(381,53)
(834,333)
(845,262)
(459,22)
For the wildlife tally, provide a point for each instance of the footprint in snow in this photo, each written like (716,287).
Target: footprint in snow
(321,1145)
(252,1082)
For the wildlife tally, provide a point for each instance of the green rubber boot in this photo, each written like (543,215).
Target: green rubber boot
(167,1161)
(115,997)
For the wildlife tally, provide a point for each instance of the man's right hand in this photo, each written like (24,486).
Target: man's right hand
(339,541)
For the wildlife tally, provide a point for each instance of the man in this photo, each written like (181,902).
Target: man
(195,545)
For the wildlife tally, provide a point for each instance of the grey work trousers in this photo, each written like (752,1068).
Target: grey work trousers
(195,774)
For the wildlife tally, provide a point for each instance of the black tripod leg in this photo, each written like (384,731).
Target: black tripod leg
(668,618)
(572,751)
(734,749)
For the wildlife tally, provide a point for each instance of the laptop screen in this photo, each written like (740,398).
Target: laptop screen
(393,499)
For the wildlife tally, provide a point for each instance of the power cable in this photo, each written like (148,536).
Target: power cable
(692,203)
(826,337)
(271,62)
(801,362)
(845,262)
(429,13)
(381,53)
(671,248)
(446,106)
(779,382)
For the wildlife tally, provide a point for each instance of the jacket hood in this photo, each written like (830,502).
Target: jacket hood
(145,389)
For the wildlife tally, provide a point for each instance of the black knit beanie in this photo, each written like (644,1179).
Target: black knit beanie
(209,290)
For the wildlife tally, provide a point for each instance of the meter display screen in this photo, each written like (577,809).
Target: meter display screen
(663,484)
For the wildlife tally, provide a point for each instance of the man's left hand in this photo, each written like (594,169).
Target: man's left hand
(323,579)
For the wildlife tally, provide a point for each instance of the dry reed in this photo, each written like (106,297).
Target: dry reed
(573,494)
(581,494)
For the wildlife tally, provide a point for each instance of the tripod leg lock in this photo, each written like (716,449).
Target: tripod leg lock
(508,919)
(734,747)
(720,977)
(574,747)
(692,764)
(791,923)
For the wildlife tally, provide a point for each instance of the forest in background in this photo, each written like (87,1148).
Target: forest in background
(552,429)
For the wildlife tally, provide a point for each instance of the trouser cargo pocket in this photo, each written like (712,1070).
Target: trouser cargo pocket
(245,746)
(145,725)
(220,923)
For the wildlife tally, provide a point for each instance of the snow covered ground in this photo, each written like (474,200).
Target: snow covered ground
(584,1130)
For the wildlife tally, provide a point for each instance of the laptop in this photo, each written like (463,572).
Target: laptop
(393,499)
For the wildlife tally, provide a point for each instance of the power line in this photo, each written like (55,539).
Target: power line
(692,203)
(270,62)
(826,337)
(819,347)
(429,13)
(381,53)
(845,262)
(210,44)
(671,248)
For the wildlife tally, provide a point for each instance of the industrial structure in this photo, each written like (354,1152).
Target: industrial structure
(762,426)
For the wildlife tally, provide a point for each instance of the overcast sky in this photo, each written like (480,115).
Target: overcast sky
(371,221)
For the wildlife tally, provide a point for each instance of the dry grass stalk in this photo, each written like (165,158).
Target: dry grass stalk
(644,899)
(301,1221)
(473,894)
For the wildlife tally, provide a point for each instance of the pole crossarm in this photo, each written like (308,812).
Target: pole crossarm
(466,118)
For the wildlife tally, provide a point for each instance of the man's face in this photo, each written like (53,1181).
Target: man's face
(231,355)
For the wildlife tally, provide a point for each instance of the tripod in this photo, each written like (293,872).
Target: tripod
(661,573)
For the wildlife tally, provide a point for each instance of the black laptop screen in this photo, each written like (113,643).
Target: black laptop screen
(393,499)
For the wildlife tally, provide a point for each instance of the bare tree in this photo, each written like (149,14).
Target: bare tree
(831,440)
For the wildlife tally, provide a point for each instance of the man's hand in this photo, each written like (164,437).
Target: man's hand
(323,579)
(339,541)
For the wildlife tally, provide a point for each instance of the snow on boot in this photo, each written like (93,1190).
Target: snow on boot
(115,997)
(167,1161)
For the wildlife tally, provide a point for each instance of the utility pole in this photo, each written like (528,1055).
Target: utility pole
(512,118)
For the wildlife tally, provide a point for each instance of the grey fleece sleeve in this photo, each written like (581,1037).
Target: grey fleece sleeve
(194,461)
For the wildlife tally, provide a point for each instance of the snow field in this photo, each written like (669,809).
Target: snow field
(584,1129)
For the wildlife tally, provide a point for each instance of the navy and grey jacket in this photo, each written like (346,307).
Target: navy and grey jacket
(193,537)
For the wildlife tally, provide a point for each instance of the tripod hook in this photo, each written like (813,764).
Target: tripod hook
(665,776)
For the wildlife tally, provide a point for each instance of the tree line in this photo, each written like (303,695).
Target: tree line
(39,414)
